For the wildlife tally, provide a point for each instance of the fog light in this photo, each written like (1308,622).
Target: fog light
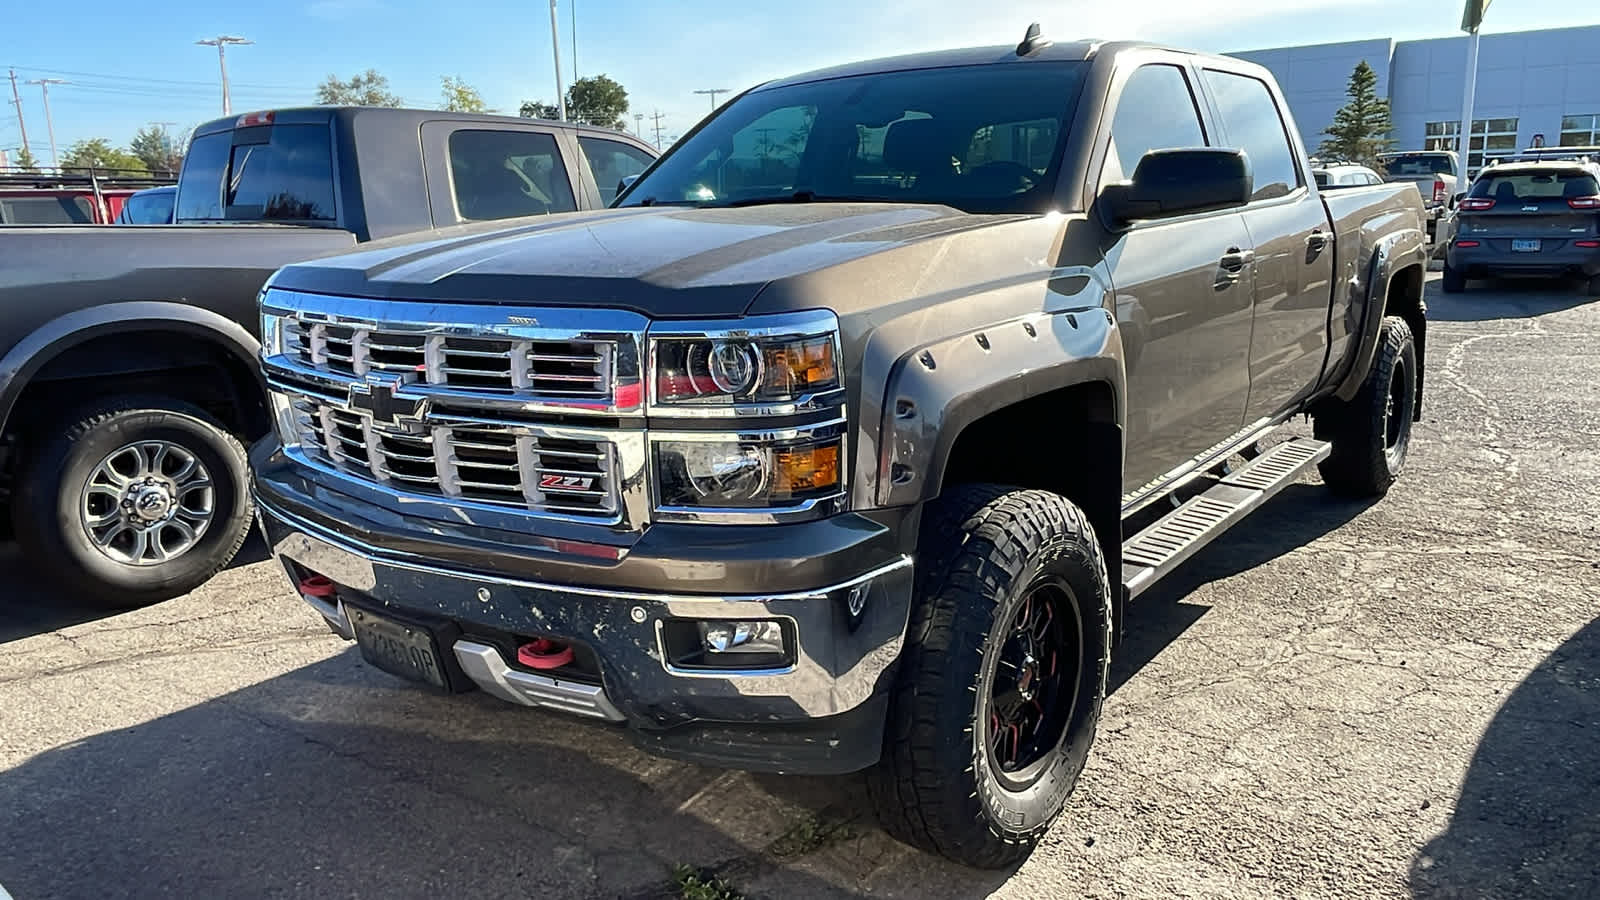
(742,637)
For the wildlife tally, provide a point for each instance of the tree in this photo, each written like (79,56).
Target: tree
(534,109)
(25,160)
(154,146)
(458,96)
(99,153)
(366,89)
(1360,129)
(595,100)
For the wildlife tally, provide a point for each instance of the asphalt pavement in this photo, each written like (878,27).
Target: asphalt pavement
(1336,699)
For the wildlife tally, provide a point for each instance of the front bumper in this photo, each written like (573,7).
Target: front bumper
(823,713)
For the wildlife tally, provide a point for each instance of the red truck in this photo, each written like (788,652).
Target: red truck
(71,197)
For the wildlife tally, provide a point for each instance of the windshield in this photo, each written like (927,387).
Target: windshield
(978,138)
(1418,165)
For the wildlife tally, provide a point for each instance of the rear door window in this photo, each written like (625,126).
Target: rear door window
(46,210)
(612,161)
(272,172)
(1254,124)
(506,174)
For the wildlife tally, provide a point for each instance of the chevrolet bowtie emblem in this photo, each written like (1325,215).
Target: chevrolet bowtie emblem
(377,399)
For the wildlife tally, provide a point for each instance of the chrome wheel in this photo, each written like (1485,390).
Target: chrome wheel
(147,503)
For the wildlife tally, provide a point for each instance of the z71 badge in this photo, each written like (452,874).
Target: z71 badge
(569,482)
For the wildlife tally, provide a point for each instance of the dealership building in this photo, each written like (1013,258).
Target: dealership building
(1530,84)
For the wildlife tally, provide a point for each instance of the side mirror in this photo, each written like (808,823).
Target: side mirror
(1170,183)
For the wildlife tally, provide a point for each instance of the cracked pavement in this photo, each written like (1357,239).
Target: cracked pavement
(1335,699)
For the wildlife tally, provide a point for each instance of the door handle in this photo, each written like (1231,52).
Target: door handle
(1316,241)
(1236,259)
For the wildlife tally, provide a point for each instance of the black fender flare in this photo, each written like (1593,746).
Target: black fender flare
(1391,254)
(36,349)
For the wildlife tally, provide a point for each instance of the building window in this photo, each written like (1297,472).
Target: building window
(1495,135)
(1580,131)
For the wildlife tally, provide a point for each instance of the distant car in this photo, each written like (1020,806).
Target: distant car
(152,206)
(1339,176)
(1435,173)
(1528,218)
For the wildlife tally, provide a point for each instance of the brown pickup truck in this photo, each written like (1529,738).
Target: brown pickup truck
(843,440)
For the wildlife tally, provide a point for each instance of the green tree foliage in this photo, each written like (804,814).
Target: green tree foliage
(595,100)
(25,160)
(99,153)
(155,147)
(366,89)
(458,96)
(1361,128)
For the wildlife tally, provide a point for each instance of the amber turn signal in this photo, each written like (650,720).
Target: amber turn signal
(798,470)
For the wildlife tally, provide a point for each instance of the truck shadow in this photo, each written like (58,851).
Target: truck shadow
(1504,299)
(334,780)
(1516,830)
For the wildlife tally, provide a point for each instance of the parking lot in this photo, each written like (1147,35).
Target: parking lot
(1336,699)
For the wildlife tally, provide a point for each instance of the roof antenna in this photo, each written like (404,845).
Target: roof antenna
(1031,42)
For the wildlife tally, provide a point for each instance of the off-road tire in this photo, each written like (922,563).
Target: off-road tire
(983,548)
(1367,456)
(61,456)
(1454,280)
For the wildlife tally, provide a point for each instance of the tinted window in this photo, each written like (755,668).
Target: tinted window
(979,138)
(1417,165)
(1155,112)
(504,174)
(278,172)
(290,176)
(612,161)
(1254,125)
(1526,185)
(200,185)
(46,210)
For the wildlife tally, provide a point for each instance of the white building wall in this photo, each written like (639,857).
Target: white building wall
(1536,77)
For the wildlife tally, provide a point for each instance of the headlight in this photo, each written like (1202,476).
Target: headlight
(786,360)
(792,470)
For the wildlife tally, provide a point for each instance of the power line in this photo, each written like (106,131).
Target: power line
(115,77)
(49,125)
(658,117)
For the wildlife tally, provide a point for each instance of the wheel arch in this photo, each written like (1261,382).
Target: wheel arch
(1394,286)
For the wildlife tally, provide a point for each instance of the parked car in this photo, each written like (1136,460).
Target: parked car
(69,196)
(128,356)
(152,206)
(1344,175)
(1435,173)
(1528,218)
(848,455)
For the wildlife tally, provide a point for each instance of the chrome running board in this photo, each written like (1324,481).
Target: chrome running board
(1154,552)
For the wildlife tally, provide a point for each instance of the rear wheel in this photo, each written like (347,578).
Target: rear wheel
(1001,683)
(132,500)
(1454,281)
(1372,432)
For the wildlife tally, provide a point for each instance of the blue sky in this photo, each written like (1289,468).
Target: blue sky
(133,66)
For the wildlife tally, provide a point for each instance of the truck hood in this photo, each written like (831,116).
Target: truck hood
(666,262)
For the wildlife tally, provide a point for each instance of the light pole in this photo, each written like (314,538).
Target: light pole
(1471,21)
(49,126)
(555,48)
(221,42)
(714,92)
(638,125)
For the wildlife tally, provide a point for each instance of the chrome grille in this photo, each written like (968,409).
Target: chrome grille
(506,465)
(575,369)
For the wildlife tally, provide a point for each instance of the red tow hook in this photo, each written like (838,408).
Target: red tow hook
(317,586)
(544,654)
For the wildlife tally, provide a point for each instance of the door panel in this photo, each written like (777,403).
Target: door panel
(1185,321)
(1294,274)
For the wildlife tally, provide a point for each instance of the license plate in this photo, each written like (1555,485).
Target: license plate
(1525,246)
(399,649)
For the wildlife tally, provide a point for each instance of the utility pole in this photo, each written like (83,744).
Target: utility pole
(16,100)
(221,42)
(658,117)
(714,92)
(49,125)
(555,48)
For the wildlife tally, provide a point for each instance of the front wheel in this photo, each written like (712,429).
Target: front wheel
(132,500)
(1372,432)
(1004,672)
